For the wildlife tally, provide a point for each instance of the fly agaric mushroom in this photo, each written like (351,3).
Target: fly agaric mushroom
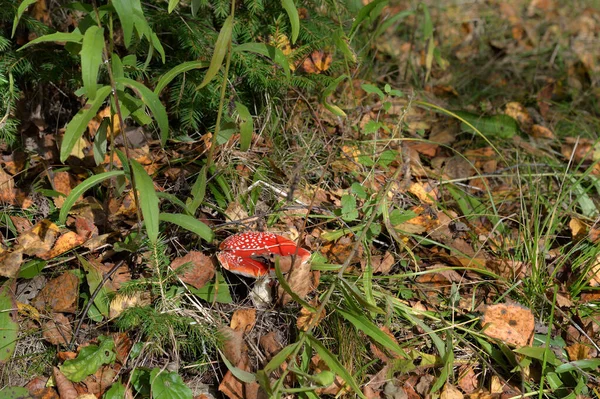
(242,253)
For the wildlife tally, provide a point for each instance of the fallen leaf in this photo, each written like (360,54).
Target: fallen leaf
(380,263)
(200,271)
(243,320)
(64,243)
(121,302)
(450,392)
(236,389)
(306,317)
(425,192)
(578,229)
(578,351)
(542,132)
(338,251)
(319,61)
(66,388)
(270,344)
(510,323)
(300,281)
(467,379)
(63,182)
(22,224)
(10,262)
(57,330)
(518,112)
(58,295)
(39,239)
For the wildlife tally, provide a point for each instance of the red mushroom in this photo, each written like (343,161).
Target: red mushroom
(241,253)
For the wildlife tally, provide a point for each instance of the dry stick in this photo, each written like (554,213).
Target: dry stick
(91,300)
(113,86)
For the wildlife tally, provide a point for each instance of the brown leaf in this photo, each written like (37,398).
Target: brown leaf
(236,389)
(234,347)
(21,224)
(542,132)
(66,388)
(243,320)
(578,228)
(201,270)
(63,183)
(59,294)
(10,262)
(64,243)
(450,392)
(58,330)
(300,281)
(467,379)
(306,317)
(121,302)
(510,323)
(578,351)
(39,239)
(425,192)
(518,112)
(380,263)
(318,61)
(270,344)
(381,355)
(338,251)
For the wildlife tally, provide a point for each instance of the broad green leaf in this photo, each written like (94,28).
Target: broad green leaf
(9,328)
(246,126)
(32,268)
(153,102)
(502,126)
(280,357)
(372,89)
(166,385)
(268,51)
(427,23)
(125,10)
(100,142)
(365,325)
(221,47)
(157,45)
(148,200)
(238,373)
(349,211)
(363,14)
(74,37)
(172,5)
(584,364)
(116,391)
(334,365)
(292,13)
(140,380)
(91,58)
(398,216)
(214,292)
(173,72)
(539,353)
(94,278)
(198,192)
(79,123)
(15,393)
(82,188)
(89,360)
(117,68)
(189,223)
(22,7)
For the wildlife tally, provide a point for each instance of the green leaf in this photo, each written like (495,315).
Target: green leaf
(171,198)
(165,385)
(328,91)
(89,360)
(22,7)
(173,72)
(349,211)
(189,223)
(268,51)
(585,364)
(353,292)
(94,278)
(125,11)
(221,47)
(246,126)
(372,89)
(82,188)
(172,5)
(214,292)
(153,102)
(238,373)
(32,268)
(148,200)
(280,357)
(365,325)
(363,14)
(15,393)
(427,24)
(100,142)
(195,7)
(91,58)
(398,216)
(79,123)
(74,37)
(116,391)
(292,12)
(334,365)
(198,192)
(9,328)
(502,126)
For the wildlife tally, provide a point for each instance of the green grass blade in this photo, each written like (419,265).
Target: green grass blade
(22,7)
(91,59)
(82,188)
(79,123)
(152,101)
(148,200)
(221,47)
(189,223)
(292,13)
(363,14)
(173,72)
(74,37)
(246,126)
(334,365)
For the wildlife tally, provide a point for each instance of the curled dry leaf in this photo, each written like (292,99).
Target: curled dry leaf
(59,295)
(64,243)
(270,344)
(236,389)
(511,323)
(578,351)
(200,272)
(121,302)
(234,347)
(58,330)
(66,388)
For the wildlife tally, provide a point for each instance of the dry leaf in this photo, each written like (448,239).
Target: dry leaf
(58,330)
(306,317)
(510,323)
(518,112)
(236,389)
(10,262)
(318,61)
(300,281)
(467,379)
(270,344)
(121,302)
(578,229)
(200,272)
(425,192)
(542,132)
(578,351)
(66,388)
(58,295)
(243,320)
(450,392)
(63,183)
(39,239)
(234,348)
(64,243)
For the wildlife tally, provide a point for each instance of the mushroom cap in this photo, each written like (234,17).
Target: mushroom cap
(239,251)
